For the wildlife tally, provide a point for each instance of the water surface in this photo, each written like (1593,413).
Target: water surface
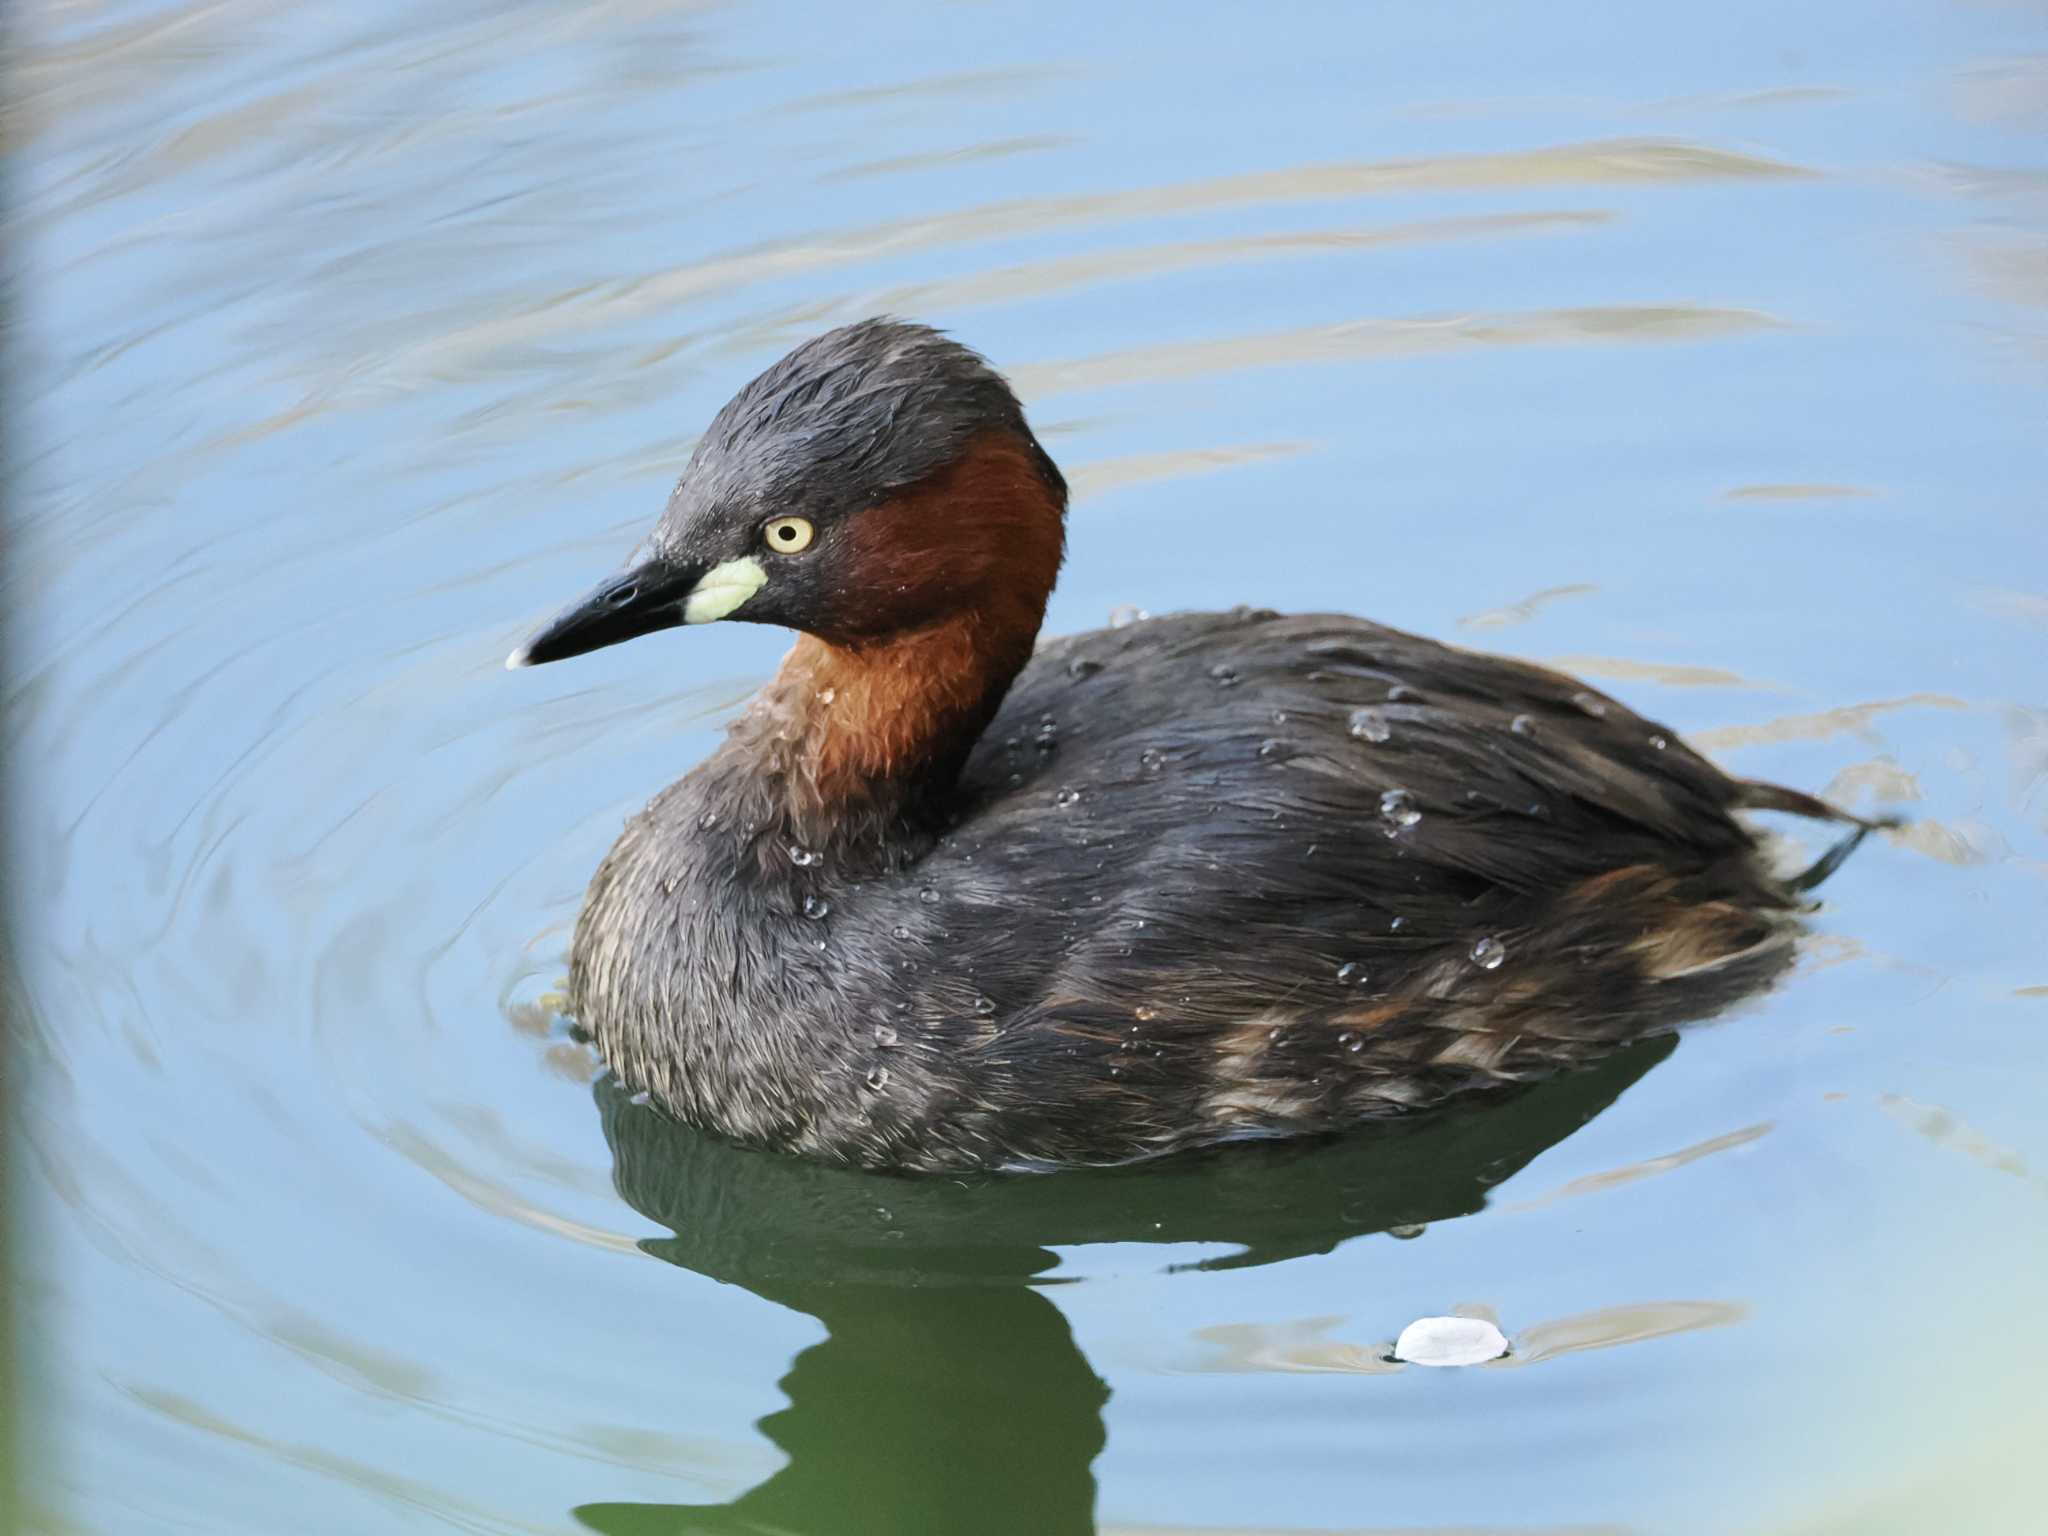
(1705,352)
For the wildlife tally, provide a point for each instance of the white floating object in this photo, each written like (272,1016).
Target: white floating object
(1450,1341)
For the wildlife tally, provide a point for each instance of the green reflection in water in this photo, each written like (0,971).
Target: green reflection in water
(949,1394)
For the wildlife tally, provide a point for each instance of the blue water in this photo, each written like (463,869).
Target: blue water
(1704,352)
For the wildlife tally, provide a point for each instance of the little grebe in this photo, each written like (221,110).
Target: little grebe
(944,900)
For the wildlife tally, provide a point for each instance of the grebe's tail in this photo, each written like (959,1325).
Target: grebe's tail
(1756,796)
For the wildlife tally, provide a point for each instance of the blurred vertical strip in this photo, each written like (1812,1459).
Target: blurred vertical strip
(10,982)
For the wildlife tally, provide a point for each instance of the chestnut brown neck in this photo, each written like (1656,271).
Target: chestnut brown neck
(868,729)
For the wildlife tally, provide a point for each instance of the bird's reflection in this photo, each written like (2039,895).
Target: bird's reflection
(949,1394)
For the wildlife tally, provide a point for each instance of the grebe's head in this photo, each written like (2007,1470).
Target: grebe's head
(878,481)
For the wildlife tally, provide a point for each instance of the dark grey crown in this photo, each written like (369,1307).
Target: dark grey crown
(847,419)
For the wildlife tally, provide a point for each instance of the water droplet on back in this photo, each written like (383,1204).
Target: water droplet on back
(827,695)
(900,932)
(1152,759)
(1350,974)
(1592,704)
(878,1078)
(885,1035)
(802,857)
(1522,725)
(1124,615)
(1224,674)
(1401,693)
(1398,808)
(1066,797)
(1488,954)
(929,896)
(1143,1014)
(816,907)
(984,1005)
(1083,666)
(1660,742)
(1370,725)
(1269,747)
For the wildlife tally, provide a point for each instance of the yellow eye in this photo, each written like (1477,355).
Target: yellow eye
(789,535)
